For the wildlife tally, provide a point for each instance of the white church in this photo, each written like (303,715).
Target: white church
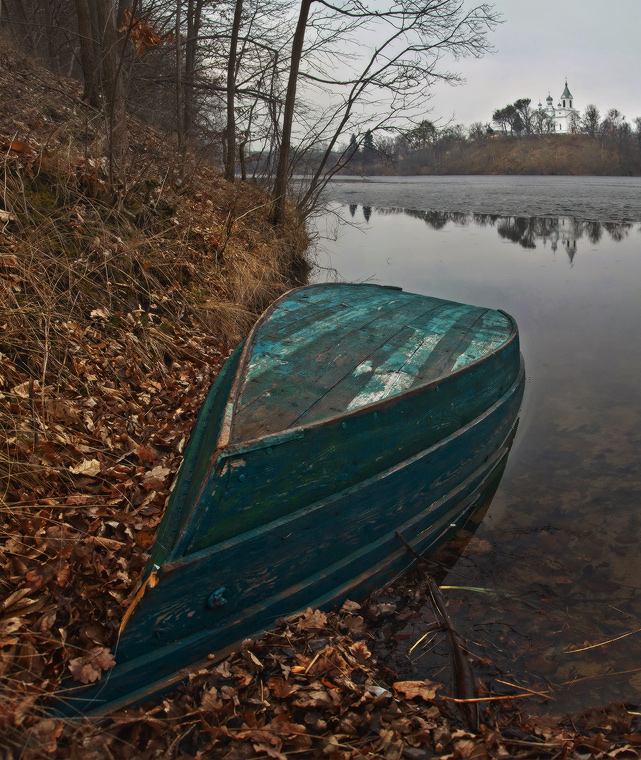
(564,116)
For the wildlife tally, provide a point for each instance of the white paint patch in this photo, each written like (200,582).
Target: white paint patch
(388,379)
(362,368)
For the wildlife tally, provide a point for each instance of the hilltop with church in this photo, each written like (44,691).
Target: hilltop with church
(564,116)
(521,138)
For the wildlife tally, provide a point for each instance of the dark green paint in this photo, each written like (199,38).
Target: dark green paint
(351,412)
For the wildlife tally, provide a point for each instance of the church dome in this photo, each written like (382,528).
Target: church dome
(566,92)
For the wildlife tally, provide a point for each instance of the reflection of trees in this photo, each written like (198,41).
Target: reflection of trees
(559,231)
(594,231)
(617,231)
(518,229)
(486,220)
(434,219)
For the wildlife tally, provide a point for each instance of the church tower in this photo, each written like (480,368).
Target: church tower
(566,97)
(565,116)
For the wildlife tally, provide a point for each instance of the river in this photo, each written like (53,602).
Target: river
(548,592)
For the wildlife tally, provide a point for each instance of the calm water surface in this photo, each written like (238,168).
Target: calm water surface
(556,563)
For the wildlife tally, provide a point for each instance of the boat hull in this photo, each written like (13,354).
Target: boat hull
(338,546)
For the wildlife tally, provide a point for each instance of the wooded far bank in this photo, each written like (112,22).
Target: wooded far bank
(534,154)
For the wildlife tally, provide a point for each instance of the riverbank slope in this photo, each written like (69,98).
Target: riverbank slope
(120,298)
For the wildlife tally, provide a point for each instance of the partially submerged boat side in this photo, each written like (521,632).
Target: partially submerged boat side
(351,412)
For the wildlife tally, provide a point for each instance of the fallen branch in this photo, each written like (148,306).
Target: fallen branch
(463,674)
(602,643)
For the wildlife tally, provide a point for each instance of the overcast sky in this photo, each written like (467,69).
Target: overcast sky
(596,45)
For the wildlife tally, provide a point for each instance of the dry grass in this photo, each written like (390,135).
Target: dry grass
(118,306)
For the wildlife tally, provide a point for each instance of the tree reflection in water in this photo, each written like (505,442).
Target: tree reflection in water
(560,232)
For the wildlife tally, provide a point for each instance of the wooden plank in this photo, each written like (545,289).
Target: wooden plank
(453,343)
(385,374)
(331,456)
(202,443)
(278,336)
(320,365)
(305,305)
(276,356)
(493,329)
(417,339)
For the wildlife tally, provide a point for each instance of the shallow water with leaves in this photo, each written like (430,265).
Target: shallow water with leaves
(547,592)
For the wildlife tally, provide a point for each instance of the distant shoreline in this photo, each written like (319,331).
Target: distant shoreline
(534,155)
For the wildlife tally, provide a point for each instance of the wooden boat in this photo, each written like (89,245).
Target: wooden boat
(351,412)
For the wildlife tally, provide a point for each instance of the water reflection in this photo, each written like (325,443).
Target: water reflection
(401,644)
(559,232)
(548,590)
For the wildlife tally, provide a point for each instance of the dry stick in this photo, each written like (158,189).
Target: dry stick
(33,412)
(45,361)
(228,226)
(601,643)
(464,677)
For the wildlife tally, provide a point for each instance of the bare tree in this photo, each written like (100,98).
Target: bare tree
(232,63)
(113,26)
(43,29)
(90,52)
(637,130)
(188,117)
(282,169)
(542,123)
(477,131)
(590,120)
(382,86)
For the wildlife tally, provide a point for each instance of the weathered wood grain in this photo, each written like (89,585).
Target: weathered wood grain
(320,367)
(281,386)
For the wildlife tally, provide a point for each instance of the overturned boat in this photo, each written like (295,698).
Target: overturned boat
(350,413)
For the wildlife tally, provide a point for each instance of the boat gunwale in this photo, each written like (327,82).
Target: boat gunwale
(169,567)
(225,448)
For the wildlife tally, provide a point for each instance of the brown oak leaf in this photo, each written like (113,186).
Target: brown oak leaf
(412,689)
(89,667)
(46,733)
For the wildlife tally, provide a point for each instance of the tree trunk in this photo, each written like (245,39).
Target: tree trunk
(14,17)
(89,53)
(47,12)
(242,160)
(230,131)
(282,169)
(113,52)
(179,80)
(194,12)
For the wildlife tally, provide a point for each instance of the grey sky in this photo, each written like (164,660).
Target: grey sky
(596,45)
